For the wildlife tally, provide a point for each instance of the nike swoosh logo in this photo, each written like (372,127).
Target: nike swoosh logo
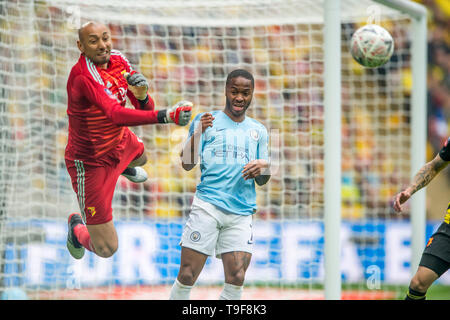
(220,129)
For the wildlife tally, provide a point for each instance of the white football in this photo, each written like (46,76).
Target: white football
(372,46)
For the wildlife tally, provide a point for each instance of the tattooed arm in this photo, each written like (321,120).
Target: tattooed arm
(420,180)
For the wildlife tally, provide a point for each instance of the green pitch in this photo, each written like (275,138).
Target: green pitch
(436,292)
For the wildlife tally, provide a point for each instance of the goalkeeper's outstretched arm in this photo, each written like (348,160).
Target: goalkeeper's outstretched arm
(420,180)
(98,95)
(179,114)
(189,154)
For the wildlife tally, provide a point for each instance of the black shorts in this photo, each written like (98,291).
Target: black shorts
(436,255)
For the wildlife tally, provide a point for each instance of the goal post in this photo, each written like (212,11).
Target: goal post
(346,138)
(418,15)
(332,148)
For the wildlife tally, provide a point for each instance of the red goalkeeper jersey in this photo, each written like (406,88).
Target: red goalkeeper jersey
(96,109)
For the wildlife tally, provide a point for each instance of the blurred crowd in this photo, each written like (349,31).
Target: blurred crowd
(192,63)
(438,81)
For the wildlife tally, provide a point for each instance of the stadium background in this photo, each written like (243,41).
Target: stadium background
(166,196)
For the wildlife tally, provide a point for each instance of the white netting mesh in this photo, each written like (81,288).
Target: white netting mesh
(186,49)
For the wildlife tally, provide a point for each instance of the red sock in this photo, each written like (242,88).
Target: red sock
(83,237)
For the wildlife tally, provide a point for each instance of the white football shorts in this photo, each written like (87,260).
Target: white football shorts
(209,230)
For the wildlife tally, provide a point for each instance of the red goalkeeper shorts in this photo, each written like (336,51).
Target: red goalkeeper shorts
(94,185)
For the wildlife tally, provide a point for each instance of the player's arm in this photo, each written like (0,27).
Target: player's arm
(263,178)
(180,113)
(420,180)
(95,93)
(137,86)
(138,91)
(259,169)
(190,153)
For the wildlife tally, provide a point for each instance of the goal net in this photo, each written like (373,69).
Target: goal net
(186,49)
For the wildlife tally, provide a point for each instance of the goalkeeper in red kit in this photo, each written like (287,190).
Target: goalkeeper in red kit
(100,146)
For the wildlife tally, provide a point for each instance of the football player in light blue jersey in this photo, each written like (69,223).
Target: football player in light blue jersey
(233,153)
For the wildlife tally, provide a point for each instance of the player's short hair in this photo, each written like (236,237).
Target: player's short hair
(240,73)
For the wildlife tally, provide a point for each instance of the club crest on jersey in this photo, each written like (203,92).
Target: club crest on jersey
(195,236)
(254,134)
(91,211)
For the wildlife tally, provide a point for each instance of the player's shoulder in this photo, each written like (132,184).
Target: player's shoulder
(256,124)
(119,57)
(445,150)
(77,72)
(118,54)
(216,113)
(85,68)
(446,145)
(77,68)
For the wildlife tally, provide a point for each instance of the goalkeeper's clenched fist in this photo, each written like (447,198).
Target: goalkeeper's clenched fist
(137,84)
(179,114)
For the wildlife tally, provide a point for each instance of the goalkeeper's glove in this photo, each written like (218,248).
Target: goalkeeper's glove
(137,84)
(179,114)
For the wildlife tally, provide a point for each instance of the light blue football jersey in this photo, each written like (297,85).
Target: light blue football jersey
(225,148)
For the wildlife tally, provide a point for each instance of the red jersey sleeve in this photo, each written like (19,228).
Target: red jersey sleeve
(103,98)
(149,106)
